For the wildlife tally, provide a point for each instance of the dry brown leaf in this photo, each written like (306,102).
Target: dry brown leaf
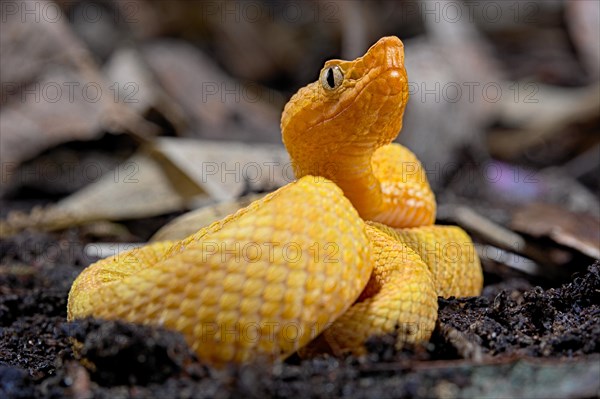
(45,99)
(226,170)
(29,43)
(189,223)
(171,175)
(138,188)
(51,111)
(52,89)
(583,21)
(218,106)
(135,84)
(545,113)
(573,230)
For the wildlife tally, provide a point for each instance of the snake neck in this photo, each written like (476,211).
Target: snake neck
(362,188)
(354,175)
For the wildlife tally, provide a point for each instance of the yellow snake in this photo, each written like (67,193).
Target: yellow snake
(347,251)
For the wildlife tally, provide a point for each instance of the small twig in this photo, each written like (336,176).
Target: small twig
(465,347)
(510,259)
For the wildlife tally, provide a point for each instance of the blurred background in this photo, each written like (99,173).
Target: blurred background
(118,116)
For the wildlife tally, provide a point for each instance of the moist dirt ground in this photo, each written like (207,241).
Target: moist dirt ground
(516,340)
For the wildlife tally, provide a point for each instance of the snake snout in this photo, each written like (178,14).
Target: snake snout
(392,82)
(387,57)
(387,52)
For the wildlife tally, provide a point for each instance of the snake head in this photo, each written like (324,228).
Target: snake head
(354,108)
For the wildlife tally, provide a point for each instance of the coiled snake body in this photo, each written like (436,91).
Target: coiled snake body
(347,251)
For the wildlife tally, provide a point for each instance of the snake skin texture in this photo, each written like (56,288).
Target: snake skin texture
(347,251)
(257,284)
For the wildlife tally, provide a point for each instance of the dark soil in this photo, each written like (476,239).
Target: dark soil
(561,322)
(522,333)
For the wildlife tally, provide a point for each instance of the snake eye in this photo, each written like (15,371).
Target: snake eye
(331,78)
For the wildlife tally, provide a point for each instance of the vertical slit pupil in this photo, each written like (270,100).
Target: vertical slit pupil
(330,78)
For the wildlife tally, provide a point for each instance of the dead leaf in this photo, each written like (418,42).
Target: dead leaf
(29,45)
(218,106)
(60,107)
(573,230)
(583,21)
(189,223)
(544,113)
(169,175)
(134,83)
(226,170)
(52,88)
(138,188)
